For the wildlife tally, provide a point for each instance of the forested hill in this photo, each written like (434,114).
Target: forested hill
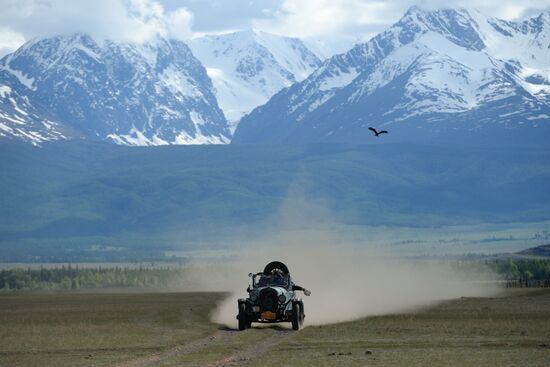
(542,251)
(69,197)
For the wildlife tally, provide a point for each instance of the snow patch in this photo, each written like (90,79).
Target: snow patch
(23,79)
(197,118)
(538,117)
(6,128)
(185,139)
(4,91)
(179,83)
(319,101)
(137,138)
(214,73)
(338,79)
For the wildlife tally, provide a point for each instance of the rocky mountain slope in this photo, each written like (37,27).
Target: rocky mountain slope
(440,75)
(73,86)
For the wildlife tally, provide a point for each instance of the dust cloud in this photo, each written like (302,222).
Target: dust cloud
(348,281)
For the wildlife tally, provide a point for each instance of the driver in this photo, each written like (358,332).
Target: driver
(278,278)
(263,281)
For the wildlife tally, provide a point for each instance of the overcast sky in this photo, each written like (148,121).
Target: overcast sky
(338,23)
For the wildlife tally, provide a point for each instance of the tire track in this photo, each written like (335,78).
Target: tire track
(254,350)
(152,360)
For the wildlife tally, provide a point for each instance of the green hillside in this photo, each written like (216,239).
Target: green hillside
(127,201)
(539,251)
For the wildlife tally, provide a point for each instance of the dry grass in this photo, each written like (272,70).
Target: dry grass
(513,330)
(82,329)
(101,329)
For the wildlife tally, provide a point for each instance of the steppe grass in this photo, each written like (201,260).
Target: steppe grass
(101,329)
(98,329)
(512,330)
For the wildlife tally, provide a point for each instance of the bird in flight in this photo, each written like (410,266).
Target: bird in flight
(376,133)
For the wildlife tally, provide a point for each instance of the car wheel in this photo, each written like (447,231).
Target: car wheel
(243,318)
(296,316)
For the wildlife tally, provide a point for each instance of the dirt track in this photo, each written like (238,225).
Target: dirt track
(253,350)
(179,350)
(219,336)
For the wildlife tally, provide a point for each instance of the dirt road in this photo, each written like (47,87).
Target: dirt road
(153,360)
(240,357)
(254,350)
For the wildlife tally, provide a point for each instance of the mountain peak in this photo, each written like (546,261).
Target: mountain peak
(253,32)
(248,67)
(136,94)
(425,9)
(543,19)
(434,16)
(455,24)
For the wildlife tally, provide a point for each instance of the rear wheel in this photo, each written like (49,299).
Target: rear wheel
(243,318)
(296,316)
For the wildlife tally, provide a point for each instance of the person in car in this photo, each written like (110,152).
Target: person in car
(278,279)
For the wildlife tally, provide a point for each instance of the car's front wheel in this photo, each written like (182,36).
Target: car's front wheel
(243,317)
(296,316)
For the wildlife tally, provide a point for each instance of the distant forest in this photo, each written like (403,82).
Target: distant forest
(521,269)
(69,277)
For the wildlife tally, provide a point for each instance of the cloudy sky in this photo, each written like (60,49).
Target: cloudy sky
(337,23)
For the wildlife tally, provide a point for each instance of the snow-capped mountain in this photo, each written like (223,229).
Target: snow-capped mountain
(19,118)
(434,73)
(150,94)
(249,67)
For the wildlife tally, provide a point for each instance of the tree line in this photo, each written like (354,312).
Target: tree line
(69,277)
(521,269)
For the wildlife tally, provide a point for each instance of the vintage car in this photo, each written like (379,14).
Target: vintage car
(272,298)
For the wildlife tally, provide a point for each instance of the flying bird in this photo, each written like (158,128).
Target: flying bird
(376,133)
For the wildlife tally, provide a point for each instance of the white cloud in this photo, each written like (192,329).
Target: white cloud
(178,24)
(345,22)
(337,23)
(9,40)
(124,20)
(503,9)
(309,18)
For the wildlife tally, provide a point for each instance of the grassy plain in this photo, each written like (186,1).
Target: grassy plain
(512,330)
(106,329)
(93,329)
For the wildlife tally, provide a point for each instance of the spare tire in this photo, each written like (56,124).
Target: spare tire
(275,265)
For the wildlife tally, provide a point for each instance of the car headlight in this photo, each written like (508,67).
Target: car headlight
(253,297)
(282,298)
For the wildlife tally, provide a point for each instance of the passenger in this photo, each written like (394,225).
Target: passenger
(296,287)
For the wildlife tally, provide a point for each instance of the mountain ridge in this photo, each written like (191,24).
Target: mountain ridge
(431,73)
(151,94)
(443,75)
(248,67)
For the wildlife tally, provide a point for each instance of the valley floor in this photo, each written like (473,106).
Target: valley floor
(173,329)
